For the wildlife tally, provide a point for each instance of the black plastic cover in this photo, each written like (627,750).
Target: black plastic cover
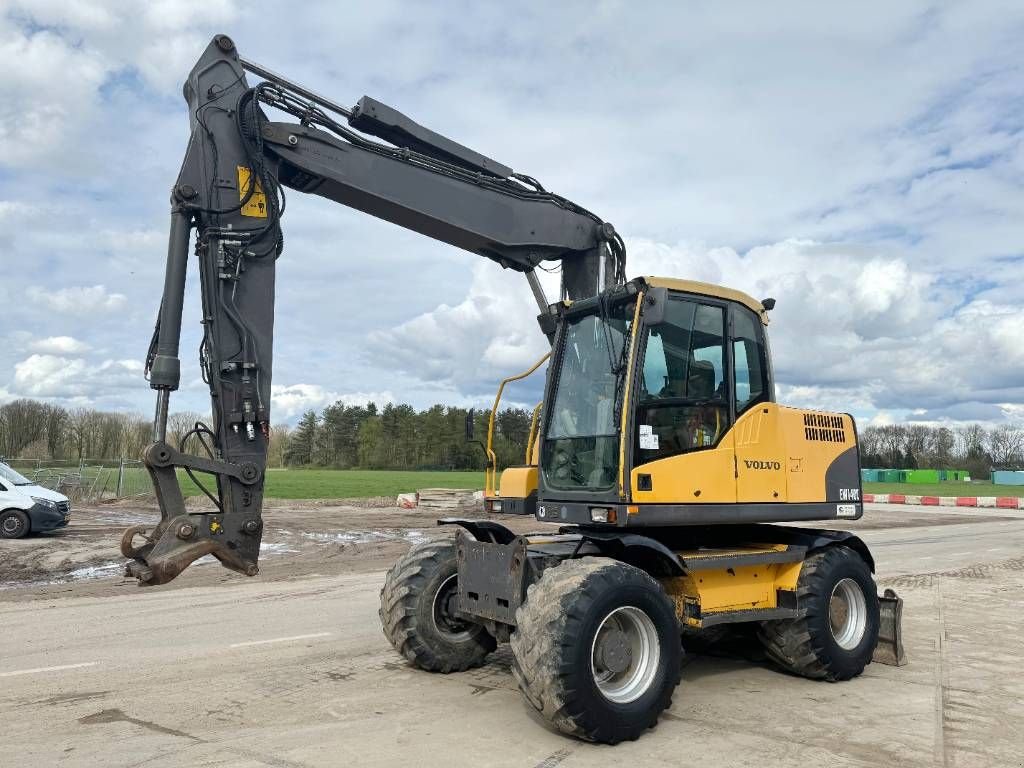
(378,119)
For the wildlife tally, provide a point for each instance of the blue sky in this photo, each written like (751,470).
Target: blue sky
(863,165)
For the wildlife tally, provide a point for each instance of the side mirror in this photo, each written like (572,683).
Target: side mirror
(470,425)
(655,303)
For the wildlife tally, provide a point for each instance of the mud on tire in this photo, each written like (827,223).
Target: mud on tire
(823,644)
(556,643)
(415,604)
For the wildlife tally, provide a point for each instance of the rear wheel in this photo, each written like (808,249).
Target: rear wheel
(596,649)
(14,524)
(417,612)
(837,635)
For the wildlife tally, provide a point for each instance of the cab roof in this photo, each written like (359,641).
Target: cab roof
(710,289)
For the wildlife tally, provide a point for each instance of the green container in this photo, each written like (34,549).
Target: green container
(921,476)
(891,476)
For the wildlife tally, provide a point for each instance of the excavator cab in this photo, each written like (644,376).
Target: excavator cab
(660,410)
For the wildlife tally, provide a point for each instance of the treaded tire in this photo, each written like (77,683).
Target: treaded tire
(14,524)
(806,646)
(407,612)
(554,640)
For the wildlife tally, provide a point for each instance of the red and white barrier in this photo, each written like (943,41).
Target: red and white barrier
(1000,502)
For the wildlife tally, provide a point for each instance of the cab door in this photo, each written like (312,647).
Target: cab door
(681,443)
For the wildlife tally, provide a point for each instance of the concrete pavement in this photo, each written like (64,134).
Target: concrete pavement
(296,674)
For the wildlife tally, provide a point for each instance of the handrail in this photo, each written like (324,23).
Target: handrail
(533,433)
(490,473)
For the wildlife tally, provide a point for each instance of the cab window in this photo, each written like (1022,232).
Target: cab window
(682,403)
(750,368)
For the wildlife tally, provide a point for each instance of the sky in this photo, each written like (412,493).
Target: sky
(861,163)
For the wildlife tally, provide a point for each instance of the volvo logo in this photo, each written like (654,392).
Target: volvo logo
(755,464)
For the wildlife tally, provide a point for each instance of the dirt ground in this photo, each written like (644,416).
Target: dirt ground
(301,538)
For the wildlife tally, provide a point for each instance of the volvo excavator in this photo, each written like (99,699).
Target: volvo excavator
(659,452)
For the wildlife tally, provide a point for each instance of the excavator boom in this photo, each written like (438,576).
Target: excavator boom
(231,191)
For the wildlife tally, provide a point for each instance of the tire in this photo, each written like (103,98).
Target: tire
(566,675)
(14,524)
(823,645)
(415,615)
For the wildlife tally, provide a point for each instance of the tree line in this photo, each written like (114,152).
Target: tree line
(340,436)
(401,437)
(973,447)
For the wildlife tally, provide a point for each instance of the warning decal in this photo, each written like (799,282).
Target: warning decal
(257,203)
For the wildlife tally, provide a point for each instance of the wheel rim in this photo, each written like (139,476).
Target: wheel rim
(11,524)
(445,620)
(625,654)
(847,614)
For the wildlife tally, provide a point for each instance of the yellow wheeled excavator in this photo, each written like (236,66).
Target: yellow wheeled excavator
(659,451)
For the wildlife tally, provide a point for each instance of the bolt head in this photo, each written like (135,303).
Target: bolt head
(185,530)
(225,43)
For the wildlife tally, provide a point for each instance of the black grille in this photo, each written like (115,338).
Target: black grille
(63,507)
(824,427)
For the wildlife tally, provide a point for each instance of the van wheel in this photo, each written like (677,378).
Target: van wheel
(13,524)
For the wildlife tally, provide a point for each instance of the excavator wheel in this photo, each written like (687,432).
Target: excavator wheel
(596,649)
(417,613)
(836,637)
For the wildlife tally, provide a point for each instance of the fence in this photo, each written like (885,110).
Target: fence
(88,480)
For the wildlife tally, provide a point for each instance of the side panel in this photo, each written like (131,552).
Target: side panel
(518,482)
(821,455)
(707,477)
(761,460)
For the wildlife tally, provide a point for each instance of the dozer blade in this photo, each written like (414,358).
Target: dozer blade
(890,631)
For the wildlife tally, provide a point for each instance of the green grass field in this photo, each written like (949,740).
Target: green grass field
(351,483)
(945,489)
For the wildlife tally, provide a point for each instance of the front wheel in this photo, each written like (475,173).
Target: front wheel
(836,636)
(417,612)
(596,649)
(14,524)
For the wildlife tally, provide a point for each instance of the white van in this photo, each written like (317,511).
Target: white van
(26,506)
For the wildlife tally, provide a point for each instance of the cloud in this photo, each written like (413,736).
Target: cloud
(853,330)
(79,300)
(871,179)
(58,345)
(53,376)
(290,400)
(492,333)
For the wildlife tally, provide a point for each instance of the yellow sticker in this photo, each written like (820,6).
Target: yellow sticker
(257,203)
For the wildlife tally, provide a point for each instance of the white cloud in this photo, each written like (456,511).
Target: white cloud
(853,330)
(290,400)
(53,376)
(872,179)
(83,300)
(489,335)
(58,345)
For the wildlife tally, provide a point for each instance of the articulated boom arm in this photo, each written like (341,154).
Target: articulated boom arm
(231,191)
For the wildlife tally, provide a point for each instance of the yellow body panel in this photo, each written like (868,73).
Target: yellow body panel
(700,477)
(518,482)
(713,590)
(761,444)
(811,448)
(773,453)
